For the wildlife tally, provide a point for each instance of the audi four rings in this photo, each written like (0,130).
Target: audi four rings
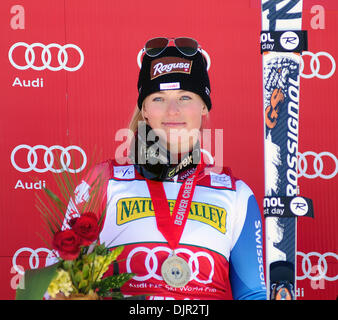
(62,56)
(152,267)
(318,165)
(319,269)
(315,65)
(32,158)
(34,259)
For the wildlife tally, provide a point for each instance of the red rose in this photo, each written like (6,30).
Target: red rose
(67,243)
(86,227)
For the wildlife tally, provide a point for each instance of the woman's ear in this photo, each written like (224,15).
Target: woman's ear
(144,113)
(205,110)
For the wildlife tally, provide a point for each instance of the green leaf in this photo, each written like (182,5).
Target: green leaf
(49,216)
(85,271)
(78,264)
(101,250)
(115,295)
(115,282)
(36,282)
(78,277)
(83,284)
(107,287)
(68,264)
(116,252)
(52,195)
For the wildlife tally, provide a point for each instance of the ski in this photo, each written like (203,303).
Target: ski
(282,42)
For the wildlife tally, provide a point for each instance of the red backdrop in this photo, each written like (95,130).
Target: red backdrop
(69,77)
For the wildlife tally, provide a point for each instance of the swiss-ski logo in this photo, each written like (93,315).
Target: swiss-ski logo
(291,10)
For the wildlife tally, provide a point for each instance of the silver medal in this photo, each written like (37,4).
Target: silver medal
(175,271)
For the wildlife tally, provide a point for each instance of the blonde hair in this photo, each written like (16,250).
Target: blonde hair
(137,116)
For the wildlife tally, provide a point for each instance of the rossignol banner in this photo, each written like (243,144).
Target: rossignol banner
(68,81)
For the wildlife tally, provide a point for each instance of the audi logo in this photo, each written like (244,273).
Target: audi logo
(315,65)
(321,267)
(34,259)
(48,159)
(46,56)
(318,165)
(151,263)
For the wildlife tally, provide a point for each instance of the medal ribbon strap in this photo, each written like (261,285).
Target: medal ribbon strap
(172,226)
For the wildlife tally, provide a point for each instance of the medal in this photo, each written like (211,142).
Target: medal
(175,271)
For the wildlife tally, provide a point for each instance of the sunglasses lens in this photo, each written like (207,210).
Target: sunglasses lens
(187,46)
(155,46)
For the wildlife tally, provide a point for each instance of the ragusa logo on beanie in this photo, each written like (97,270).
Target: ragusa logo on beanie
(167,65)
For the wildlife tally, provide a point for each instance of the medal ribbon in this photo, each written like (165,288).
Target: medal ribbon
(172,226)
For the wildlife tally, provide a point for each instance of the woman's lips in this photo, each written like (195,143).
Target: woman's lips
(173,124)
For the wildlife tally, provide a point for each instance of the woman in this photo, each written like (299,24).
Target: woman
(190,230)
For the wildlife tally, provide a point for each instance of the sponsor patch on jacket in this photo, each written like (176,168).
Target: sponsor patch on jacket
(167,65)
(124,172)
(130,209)
(220,180)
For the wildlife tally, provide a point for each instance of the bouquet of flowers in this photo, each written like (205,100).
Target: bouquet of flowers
(81,261)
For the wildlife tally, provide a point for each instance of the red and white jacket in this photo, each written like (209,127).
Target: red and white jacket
(221,242)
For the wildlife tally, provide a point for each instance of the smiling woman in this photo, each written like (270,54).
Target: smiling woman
(176,116)
(188,227)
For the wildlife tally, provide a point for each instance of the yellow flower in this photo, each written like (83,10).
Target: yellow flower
(102,263)
(61,283)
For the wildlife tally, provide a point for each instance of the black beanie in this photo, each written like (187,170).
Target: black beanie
(172,70)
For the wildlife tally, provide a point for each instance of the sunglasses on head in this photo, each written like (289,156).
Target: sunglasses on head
(187,46)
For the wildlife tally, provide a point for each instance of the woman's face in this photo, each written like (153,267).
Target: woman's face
(176,116)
